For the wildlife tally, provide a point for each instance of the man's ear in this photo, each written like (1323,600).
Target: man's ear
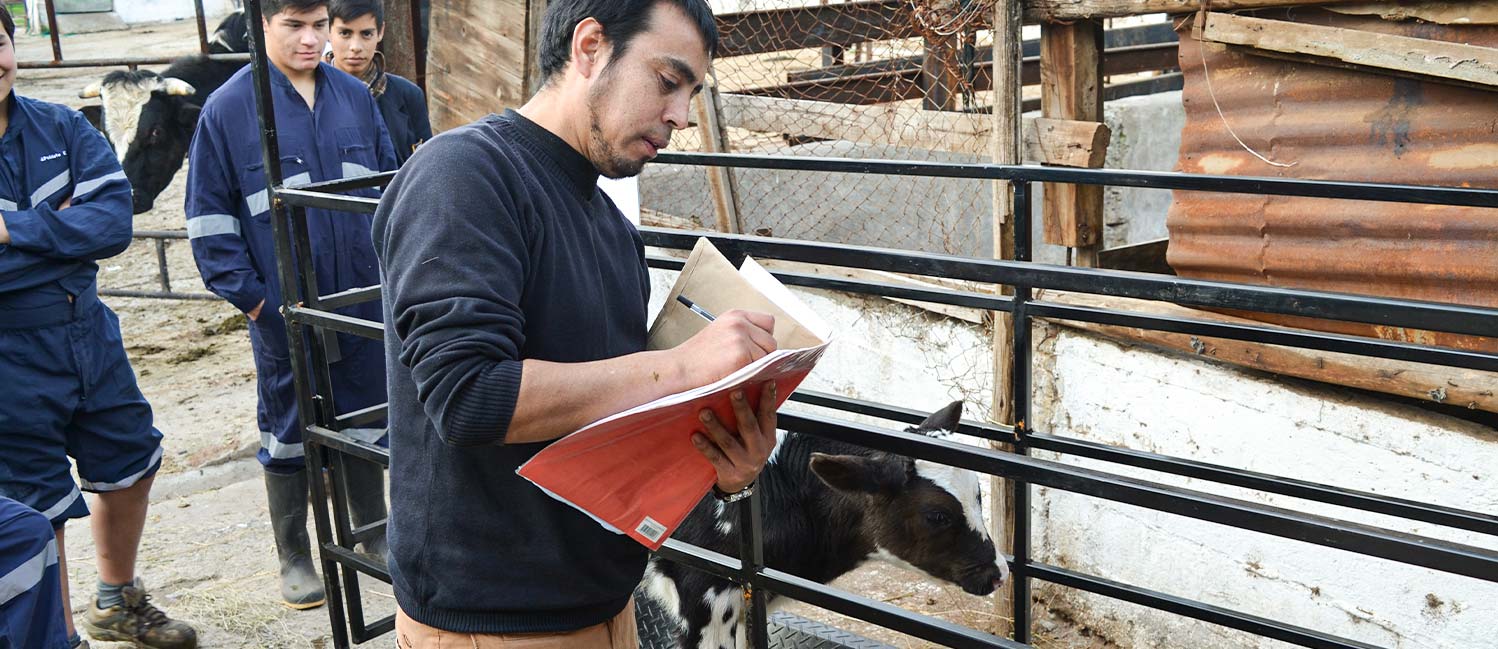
(589,46)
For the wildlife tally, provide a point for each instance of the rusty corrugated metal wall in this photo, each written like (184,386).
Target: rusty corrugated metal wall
(1340,125)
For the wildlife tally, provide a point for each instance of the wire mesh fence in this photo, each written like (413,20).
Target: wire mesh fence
(888,79)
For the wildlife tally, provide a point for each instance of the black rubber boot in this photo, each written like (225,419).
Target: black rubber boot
(301,588)
(366,499)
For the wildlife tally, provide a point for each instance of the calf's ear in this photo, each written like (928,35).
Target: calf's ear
(94,113)
(187,115)
(91,90)
(944,419)
(857,474)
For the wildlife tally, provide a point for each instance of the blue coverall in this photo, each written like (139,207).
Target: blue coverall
(68,386)
(30,588)
(229,224)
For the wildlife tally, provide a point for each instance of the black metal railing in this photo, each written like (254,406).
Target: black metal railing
(308,313)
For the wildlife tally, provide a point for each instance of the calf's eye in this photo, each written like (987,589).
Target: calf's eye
(936,518)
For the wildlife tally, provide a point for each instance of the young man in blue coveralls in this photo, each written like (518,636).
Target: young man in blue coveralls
(30,590)
(329,128)
(358,28)
(69,389)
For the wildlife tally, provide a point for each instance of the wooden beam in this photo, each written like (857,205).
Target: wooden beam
(1421,58)
(1466,388)
(894,124)
(1071,79)
(1065,10)
(1006,139)
(940,80)
(795,28)
(898,79)
(719,179)
(1068,143)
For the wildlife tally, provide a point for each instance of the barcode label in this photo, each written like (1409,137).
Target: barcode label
(650,529)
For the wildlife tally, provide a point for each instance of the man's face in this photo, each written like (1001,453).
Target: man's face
(354,43)
(7,64)
(638,99)
(294,39)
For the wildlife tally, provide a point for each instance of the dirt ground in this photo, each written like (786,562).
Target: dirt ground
(207,553)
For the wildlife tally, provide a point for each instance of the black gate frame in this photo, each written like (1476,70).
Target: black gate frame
(309,314)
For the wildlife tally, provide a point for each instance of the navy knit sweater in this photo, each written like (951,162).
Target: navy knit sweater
(497,247)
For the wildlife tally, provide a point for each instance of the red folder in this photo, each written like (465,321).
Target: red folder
(637,472)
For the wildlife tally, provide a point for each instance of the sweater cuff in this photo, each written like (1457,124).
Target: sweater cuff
(483,415)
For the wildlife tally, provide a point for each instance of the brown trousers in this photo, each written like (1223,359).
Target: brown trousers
(618,633)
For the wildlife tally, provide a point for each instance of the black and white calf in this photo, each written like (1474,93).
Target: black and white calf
(149,117)
(830,507)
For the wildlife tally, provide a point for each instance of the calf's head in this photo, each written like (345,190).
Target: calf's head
(149,120)
(920,514)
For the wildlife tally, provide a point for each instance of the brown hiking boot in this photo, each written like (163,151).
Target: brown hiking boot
(138,621)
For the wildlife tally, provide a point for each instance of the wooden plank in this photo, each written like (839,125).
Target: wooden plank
(1466,388)
(534,13)
(898,125)
(1421,58)
(905,126)
(794,28)
(1071,79)
(940,79)
(720,179)
(1068,143)
(1007,128)
(1064,10)
(898,79)
(477,59)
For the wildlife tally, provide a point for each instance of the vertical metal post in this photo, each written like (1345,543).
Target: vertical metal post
(317,457)
(54,33)
(752,556)
(166,280)
(202,27)
(1021,400)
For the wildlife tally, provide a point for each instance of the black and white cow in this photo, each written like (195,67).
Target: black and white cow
(830,507)
(149,117)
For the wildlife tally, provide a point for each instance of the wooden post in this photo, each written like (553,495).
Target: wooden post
(398,46)
(939,80)
(719,179)
(1006,143)
(1071,74)
(535,10)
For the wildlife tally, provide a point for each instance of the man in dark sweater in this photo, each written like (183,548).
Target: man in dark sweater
(515,300)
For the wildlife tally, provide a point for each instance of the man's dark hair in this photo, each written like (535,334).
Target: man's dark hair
(349,10)
(269,8)
(10,23)
(622,20)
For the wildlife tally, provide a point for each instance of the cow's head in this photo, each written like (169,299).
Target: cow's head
(920,514)
(149,121)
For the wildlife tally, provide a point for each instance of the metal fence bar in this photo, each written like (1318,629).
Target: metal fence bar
(1384,192)
(53,32)
(1196,610)
(1432,316)
(1338,343)
(1444,556)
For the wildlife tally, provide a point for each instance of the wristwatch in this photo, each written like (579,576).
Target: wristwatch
(736,496)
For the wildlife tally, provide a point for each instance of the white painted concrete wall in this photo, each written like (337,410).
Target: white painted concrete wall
(1100,391)
(1094,389)
(151,11)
